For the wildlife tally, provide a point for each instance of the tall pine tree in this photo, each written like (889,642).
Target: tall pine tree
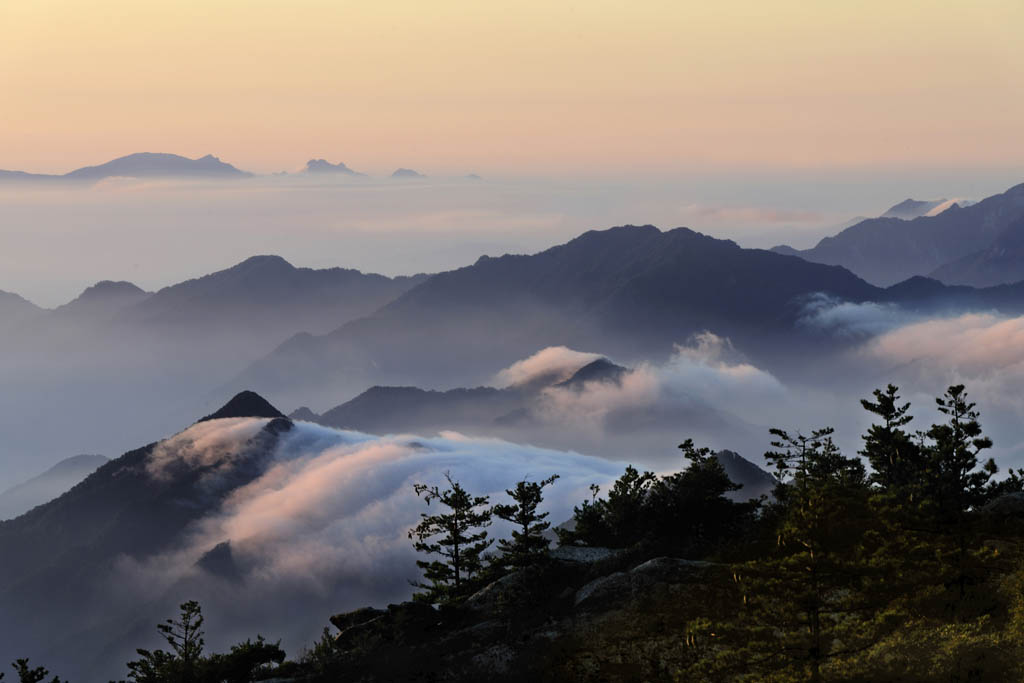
(457,536)
(528,544)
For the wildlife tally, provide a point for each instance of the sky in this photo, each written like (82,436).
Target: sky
(530,87)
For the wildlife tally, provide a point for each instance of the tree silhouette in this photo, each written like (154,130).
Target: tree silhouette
(528,543)
(185,636)
(28,674)
(458,536)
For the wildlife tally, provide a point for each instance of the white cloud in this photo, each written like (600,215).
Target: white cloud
(854,320)
(554,364)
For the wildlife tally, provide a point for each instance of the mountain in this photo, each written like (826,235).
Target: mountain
(407,173)
(887,250)
(45,487)
(1000,262)
(324,166)
(58,557)
(480,410)
(102,301)
(912,208)
(14,306)
(244,404)
(271,525)
(756,482)
(16,312)
(268,293)
(634,290)
(140,165)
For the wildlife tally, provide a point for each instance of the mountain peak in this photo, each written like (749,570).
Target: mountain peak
(324,166)
(265,261)
(110,287)
(407,173)
(245,404)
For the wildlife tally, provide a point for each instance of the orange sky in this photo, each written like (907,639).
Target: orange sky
(530,86)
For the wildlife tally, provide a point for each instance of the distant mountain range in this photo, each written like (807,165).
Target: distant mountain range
(163,165)
(968,245)
(43,488)
(140,165)
(631,291)
(258,293)
(267,292)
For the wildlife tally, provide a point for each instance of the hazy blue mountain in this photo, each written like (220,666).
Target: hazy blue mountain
(540,412)
(630,291)
(22,497)
(156,165)
(102,301)
(267,292)
(1000,262)
(324,166)
(912,208)
(14,305)
(139,165)
(888,250)
(407,173)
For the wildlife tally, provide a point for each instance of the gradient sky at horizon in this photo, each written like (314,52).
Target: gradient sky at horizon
(524,87)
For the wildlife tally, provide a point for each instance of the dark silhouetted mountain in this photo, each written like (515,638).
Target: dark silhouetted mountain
(267,292)
(388,410)
(888,250)
(102,301)
(912,208)
(600,370)
(543,412)
(999,263)
(756,482)
(53,482)
(245,404)
(324,166)
(786,250)
(220,561)
(140,165)
(407,173)
(634,291)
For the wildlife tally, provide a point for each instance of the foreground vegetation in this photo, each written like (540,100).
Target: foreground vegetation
(903,564)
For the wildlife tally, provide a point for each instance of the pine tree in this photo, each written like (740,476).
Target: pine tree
(689,509)
(184,662)
(810,603)
(956,483)
(528,544)
(895,458)
(617,521)
(457,536)
(27,674)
